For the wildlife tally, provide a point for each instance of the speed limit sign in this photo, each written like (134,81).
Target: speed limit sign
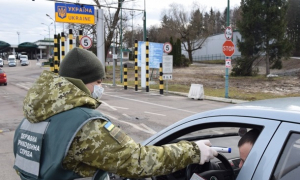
(167,47)
(86,42)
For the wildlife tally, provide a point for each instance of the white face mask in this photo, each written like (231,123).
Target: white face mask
(98,91)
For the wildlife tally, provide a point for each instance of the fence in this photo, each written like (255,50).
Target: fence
(212,57)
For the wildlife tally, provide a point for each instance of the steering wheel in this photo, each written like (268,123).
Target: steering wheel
(219,174)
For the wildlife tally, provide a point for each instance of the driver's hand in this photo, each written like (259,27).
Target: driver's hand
(206,151)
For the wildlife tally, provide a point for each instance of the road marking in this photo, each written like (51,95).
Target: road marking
(145,102)
(111,107)
(154,113)
(24,87)
(149,129)
(112,117)
(127,116)
(146,130)
(119,107)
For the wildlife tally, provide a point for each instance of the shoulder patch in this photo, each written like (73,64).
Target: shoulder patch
(121,137)
(109,126)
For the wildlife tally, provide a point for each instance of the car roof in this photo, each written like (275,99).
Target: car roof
(281,109)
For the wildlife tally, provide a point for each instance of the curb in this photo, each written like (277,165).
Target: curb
(211,98)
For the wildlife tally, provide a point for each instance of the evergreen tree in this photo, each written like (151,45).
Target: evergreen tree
(263,27)
(293,25)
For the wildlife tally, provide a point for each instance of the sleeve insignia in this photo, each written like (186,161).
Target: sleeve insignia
(109,126)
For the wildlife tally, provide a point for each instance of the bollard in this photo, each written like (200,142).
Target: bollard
(125,76)
(80,36)
(147,65)
(55,54)
(62,45)
(70,39)
(136,74)
(52,59)
(161,81)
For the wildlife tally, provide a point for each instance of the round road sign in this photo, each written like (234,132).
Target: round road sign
(228,48)
(228,33)
(86,42)
(167,47)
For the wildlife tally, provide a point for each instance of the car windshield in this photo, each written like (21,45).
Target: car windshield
(11,59)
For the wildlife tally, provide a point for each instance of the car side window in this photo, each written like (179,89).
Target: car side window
(288,166)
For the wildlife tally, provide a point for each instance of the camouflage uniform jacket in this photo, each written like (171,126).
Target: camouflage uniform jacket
(94,147)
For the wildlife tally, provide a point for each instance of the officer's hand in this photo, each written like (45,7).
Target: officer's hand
(206,151)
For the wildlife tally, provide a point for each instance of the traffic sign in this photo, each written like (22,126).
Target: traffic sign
(167,77)
(167,64)
(228,48)
(228,33)
(86,42)
(228,62)
(167,47)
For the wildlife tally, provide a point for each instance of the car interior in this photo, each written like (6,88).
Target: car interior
(225,166)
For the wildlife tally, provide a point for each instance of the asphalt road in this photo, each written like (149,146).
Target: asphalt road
(139,114)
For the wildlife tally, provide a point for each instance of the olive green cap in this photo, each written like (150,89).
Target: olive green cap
(81,64)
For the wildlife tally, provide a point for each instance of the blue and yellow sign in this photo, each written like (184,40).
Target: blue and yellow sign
(74,13)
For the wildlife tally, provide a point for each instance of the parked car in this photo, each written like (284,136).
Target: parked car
(12,60)
(1,62)
(3,78)
(24,60)
(275,154)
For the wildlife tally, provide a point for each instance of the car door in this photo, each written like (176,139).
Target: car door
(281,155)
(269,128)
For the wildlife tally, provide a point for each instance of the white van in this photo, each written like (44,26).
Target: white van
(12,60)
(24,60)
(1,62)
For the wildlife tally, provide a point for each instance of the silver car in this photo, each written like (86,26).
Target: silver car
(275,154)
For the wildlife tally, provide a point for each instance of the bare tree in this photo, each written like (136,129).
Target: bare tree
(189,27)
(111,21)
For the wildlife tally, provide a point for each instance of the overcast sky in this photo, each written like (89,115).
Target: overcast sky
(26,16)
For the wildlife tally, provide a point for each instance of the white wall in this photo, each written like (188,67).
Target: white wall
(212,47)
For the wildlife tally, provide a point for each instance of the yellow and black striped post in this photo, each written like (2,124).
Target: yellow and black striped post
(70,39)
(147,65)
(62,43)
(125,76)
(161,81)
(136,68)
(52,60)
(80,36)
(55,54)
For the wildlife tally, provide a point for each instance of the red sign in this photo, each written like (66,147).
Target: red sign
(228,48)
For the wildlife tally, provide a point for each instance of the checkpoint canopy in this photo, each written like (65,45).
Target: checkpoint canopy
(155,53)
(4,45)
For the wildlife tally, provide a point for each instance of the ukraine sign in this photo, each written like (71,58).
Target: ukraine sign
(74,13)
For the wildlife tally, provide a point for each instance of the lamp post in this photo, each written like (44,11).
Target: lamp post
(53,21)
(132,14)
(121,50)
(18,37)
(227,73)
(49,36)
(144,20)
